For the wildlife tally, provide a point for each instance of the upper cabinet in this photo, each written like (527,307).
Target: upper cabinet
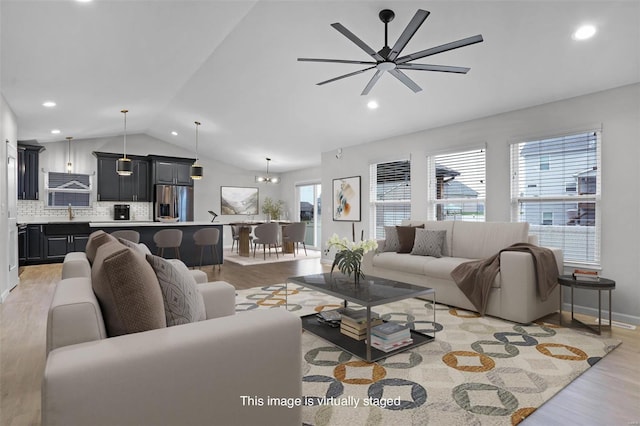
(171,170)
(113,187)
(28,166)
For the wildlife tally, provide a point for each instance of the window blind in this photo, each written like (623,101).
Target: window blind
(390,195)
(457,185)
(556,188)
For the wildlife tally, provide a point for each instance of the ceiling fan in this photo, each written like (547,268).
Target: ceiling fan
(388,59)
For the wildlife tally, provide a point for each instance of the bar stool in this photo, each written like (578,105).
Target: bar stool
(127,234)
(207,237)
(168,238)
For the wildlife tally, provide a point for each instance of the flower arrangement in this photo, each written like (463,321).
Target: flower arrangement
(349,255)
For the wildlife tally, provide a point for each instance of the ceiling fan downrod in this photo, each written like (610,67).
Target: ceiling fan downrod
(386,16)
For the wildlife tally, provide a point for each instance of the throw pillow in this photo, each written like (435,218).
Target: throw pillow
(127,289)
(391,242)
(406,236)
(183,303)
(96,239)
(428,243)
(138,248)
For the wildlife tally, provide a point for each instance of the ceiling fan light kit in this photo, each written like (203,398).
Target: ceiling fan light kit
(388,59)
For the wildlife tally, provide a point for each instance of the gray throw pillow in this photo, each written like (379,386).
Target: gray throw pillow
(183,303)
(391,242)
(428,243)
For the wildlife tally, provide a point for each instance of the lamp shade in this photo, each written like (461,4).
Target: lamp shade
(124,167)
(196,171)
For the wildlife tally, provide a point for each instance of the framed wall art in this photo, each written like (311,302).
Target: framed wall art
(346,199)
(238,200)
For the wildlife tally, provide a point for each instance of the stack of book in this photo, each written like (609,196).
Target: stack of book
(390,336)
(354,322)
(585,275)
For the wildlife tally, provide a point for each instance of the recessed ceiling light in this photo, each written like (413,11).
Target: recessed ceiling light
(49,104)
(55,131)
(584,32)
(174,133)
(372,105)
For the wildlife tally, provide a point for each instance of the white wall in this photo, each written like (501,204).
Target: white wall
(288,183)
(617,111)
(9,132)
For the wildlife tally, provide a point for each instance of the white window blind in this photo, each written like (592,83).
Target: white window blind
(68,189)
(390,195)
(561,201)
(457,185)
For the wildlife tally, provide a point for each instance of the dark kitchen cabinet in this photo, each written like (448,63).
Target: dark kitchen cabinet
(28,166)
(62,238)
(171,170)
(34,243)
(22,244)
(113,187)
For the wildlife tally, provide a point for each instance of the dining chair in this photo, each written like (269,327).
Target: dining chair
(295,234)
(266,234)
(208,237)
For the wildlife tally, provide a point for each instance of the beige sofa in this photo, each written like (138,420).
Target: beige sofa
(191,374)
(513,293)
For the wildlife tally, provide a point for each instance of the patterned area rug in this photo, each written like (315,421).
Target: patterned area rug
(477,370)
(260,260)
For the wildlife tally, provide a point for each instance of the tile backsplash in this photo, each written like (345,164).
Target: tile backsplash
(100,210)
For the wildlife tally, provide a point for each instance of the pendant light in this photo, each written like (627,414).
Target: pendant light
(69,165)
(267,178)
(196,169)
(123,165)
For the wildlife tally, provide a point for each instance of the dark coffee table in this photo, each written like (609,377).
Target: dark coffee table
(369,292)
(600,285)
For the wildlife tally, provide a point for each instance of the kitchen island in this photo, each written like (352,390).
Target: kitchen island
(49,241)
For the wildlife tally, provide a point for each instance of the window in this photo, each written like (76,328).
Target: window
(544,162)
(390,195)
(457,185)
(561,204)
(64,189)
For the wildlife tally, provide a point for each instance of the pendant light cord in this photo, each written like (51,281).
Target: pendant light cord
(197,124)
(124,153)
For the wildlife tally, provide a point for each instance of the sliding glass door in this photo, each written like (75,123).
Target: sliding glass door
(310,211)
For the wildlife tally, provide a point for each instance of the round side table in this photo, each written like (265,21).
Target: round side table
(600,285)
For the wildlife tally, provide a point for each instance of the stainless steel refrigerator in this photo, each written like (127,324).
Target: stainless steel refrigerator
(173,201)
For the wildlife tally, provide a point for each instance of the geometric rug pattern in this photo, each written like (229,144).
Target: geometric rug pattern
(477,371)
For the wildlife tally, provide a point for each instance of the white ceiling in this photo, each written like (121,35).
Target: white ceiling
(232,66)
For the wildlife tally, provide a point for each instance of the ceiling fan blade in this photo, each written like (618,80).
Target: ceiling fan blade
(337,61)
(427,67)
(439,49)
(406,80)
(361,44)
(372,82)
(408,32)
(344,76)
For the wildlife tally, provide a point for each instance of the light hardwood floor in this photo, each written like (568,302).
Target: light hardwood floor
(607,394)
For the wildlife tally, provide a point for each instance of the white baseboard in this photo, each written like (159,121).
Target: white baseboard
(616,316)
(4,295)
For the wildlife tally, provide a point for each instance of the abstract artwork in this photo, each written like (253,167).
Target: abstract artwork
(346,199)
(238,200)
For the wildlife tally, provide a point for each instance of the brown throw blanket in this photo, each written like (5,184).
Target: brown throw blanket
(475,278)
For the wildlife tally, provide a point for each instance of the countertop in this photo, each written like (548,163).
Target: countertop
(107,223)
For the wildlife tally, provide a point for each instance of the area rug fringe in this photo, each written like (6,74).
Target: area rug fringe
(478,371)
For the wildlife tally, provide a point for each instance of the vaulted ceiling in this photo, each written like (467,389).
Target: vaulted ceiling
(232,66)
